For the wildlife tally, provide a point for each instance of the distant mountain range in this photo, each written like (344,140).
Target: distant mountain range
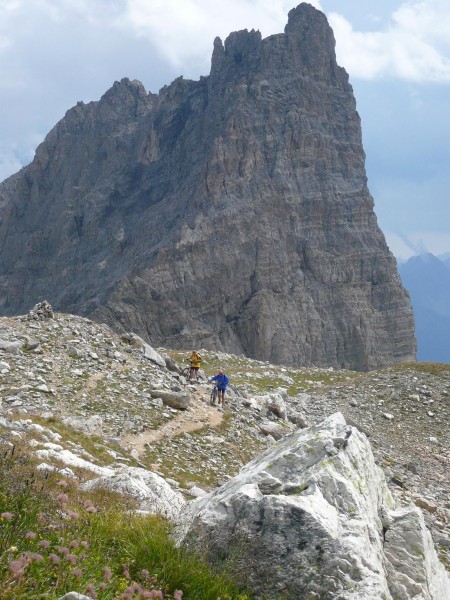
(427,278)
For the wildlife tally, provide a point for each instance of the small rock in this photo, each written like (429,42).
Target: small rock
(426,504)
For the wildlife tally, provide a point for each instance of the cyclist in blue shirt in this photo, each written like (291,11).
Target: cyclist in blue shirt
(222,381)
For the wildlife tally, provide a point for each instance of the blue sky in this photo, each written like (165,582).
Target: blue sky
(397,53)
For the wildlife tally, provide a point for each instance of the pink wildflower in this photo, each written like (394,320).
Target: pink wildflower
(62,550)
(72,559)
(54,558)
(44,544)
(126,573)
(63,498)
(74,544)
(62,483)
(73,515)
(76,572)
(30,535)
(102,586)
(16,566)
(6,516)
(85,544)
(87,503)
(36,557)
(178,595)
(107,573)
(90,589)
(145,573)
(91,509)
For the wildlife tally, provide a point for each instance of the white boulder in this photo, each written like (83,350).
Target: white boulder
(312,518)
(152,493)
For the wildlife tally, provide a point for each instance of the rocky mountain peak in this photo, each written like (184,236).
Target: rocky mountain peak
(231,213)
(309,30)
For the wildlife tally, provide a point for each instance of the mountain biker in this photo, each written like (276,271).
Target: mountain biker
(195,359)
(221,381)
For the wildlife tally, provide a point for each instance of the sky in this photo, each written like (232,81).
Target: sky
(54,53)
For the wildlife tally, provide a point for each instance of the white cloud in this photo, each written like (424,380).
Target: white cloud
(184,30)
(415,45)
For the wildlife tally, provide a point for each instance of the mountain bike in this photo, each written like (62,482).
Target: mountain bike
(186,372)
(214,394)
(189,373)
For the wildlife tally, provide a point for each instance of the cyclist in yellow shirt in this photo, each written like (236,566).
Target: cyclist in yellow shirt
(195,360)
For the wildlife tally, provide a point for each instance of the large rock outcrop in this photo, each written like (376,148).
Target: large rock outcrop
(231,212)
(312,519)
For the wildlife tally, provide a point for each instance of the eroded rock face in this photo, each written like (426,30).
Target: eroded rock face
(229,213)
(313,518)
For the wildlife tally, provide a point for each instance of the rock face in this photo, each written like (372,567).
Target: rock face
(313,518)
(231,212)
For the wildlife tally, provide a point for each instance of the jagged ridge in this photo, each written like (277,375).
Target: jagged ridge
(231,213)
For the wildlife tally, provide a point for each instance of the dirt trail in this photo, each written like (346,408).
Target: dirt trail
(199,415)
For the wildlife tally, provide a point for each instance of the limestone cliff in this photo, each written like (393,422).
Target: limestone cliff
(231,212)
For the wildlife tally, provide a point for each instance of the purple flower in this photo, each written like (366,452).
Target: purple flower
(107,573)
(76,572)
(85,544)
(44,544)
(62,550)
(62,498)
(178,595)
(73,515)
(7,516)
(72,559)
(90,589)
(16,566)
(54,558)
(36,557)
(74,544)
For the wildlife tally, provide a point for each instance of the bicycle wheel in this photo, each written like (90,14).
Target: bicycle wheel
(185,372)
(213,396)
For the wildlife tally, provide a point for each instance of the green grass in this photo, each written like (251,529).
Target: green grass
(54,539)
(264,376)
(440,369)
